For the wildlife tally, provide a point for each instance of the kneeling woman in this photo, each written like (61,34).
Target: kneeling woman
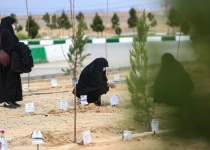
(93,81)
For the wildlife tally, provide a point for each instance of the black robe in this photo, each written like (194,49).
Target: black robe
(93,81)
(10,83)
(173,84)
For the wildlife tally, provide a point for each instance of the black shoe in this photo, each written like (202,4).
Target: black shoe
(80,142)
(98,102)
(18,105)
(9,105)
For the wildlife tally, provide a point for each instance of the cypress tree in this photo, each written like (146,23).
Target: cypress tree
(80,17)
(97,24)
(33,27)
(137,81)
(132,19)
(115,21)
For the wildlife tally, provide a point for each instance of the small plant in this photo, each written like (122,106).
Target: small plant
(137,82)
(21,36)
(75,55)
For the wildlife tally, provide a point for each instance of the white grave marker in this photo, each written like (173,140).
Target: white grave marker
(25,87)
(116,77)
(127,135)
(86,137)
(29,107)
(75,81)
(63,104)
(54,82)
(3,141)
(114,100)
(83,99)
(37,137)
(154,125)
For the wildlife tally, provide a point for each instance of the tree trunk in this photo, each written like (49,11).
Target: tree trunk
(178,45)
(173,31)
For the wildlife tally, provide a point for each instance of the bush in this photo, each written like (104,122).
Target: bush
(38,36)
(22,36)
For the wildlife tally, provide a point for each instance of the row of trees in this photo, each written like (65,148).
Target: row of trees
(55,22)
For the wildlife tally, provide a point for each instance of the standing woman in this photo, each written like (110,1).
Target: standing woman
(10,82)
(93,81)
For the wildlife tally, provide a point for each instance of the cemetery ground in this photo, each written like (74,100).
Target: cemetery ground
(107,123)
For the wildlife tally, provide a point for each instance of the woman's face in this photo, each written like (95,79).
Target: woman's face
(13,26)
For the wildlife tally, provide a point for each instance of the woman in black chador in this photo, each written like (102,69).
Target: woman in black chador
(10,83)
(173,84)
(93,81)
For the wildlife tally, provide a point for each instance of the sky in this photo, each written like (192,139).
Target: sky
(18,7)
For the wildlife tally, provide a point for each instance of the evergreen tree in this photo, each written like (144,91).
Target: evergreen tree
(132,19)
(33,27)
(18,27)
(137,82)
(75,55)
(152,19)
(54,24)
(80,17)
(185,26)
(97,24)
(63,21)
(174,18)
(115,21)
(46,19)
(118,31)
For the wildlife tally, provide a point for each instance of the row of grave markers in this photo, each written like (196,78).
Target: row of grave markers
(37,136)
(63,104)
(54,82)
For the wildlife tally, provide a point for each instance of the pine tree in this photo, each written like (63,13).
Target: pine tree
(152,19)
(115,21)
(97,24)
(63,21)
(46,19)
(137,82)
(18,27)
(54,24)
(80,17)
(33,27)
(174,18)
(76,52)
(132,19)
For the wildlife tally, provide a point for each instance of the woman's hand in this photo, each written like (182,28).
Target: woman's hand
(111,84)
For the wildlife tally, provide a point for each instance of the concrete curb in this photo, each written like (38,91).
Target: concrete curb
(109,40)
(58,75)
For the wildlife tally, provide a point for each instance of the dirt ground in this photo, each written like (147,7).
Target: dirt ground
(107,123)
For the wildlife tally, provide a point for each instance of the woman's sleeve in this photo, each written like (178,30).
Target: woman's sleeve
(8,43)
(104,83)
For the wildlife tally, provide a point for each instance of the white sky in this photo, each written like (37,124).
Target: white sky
(56,6)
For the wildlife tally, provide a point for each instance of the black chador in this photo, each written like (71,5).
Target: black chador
(173,84)
(10,83)
(93,80)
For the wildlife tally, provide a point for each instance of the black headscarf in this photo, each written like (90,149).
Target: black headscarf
(6,23)
(92,76)
(173,84)
(95,71)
